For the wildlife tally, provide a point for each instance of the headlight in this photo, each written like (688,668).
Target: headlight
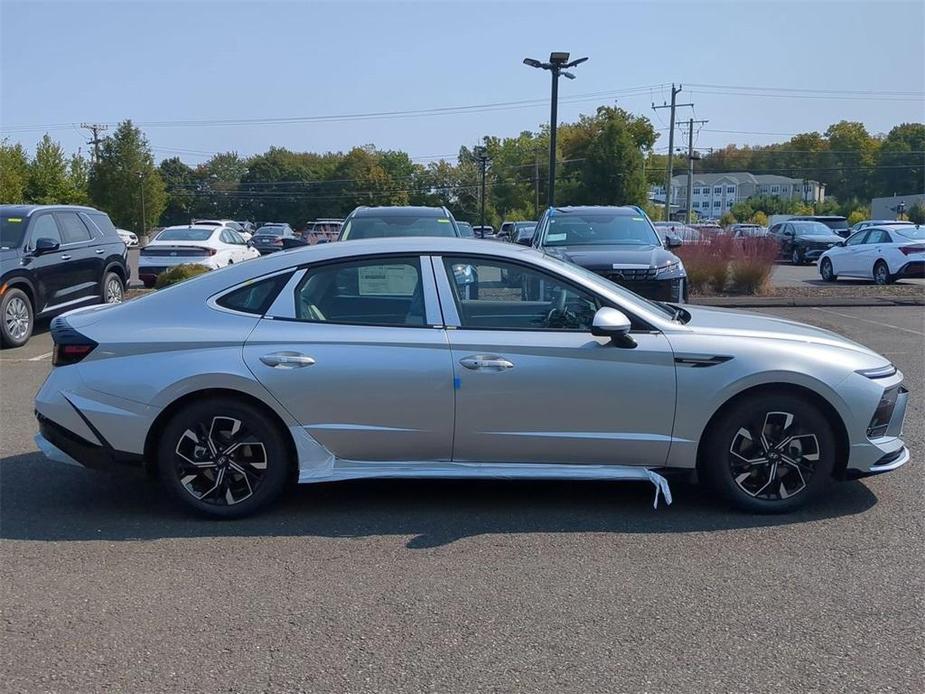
(671,267)
(880,422)
(879,372)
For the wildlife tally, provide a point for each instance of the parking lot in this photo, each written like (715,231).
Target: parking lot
(457,586)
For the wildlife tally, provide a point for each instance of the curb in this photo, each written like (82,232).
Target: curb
(804,302)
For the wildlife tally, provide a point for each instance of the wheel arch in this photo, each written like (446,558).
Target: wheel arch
(25,286)
(160,422)
(828,410)
(116,267)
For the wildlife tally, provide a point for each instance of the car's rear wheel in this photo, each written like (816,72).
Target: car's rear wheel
(113,288)
(796,257)
(826,270)
(770,453)
(16,318)
(223,458)
(882,273)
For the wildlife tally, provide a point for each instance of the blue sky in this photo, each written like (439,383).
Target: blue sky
(67,62)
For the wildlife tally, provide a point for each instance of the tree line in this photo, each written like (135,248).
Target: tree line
(604,158)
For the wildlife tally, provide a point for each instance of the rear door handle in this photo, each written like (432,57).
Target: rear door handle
(483,362)
(100,250)
(287,360)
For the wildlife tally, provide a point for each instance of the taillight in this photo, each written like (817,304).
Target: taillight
(278,242)
(63,355)
(909,250)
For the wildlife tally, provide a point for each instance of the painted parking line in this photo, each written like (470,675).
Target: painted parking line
(40,357)
(868,320)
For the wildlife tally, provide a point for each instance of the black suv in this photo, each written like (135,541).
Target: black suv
(386,222)
(618,243)
(54,258)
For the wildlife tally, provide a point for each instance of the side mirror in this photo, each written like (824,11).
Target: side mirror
(609,322)
(45,245)
(672,241)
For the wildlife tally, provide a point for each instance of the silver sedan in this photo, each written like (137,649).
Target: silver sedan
(453,358)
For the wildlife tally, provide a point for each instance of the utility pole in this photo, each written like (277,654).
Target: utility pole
(96,129)
(482,156)
(674,105)
(141,179)
(690,164)
(536,184)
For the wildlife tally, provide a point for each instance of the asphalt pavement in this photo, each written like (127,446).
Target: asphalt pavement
(462,586)
(789,275)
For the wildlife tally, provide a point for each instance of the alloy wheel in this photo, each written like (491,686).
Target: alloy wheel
(16,318)
(826,270)
(220,461)
(881,274)
(796,258)
(773,457)
(113,291)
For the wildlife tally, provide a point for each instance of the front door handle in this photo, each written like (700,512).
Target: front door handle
(484,362)
(65,257)
(100,250)
(287,360)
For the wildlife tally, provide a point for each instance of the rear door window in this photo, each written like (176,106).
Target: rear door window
(73,229)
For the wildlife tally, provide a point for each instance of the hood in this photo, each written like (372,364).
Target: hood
(820,238)
(706,320)
(605,257)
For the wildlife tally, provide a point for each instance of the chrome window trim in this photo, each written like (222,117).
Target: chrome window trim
(445,294)
(432,315)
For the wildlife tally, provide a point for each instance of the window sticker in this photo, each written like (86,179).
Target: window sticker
(556,237)
(387,280)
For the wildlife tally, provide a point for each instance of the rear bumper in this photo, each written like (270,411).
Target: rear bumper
(64,446)
(914,268)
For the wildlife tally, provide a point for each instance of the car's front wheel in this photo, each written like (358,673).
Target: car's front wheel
(796,256)
(16,318)
(826,270)
(223,458)
(771,453)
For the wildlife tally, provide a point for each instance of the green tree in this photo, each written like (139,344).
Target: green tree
(48,181)
(124,180)
(901,161)
(78,176)
(727,218)
(180,187)
(916,213)
(14,172)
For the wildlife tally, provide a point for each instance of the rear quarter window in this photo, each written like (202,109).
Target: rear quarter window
(101,221)
(255,297)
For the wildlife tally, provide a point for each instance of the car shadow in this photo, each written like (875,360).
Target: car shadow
(43,501)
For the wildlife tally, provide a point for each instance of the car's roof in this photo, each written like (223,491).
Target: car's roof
(26,210)
(613,209)
(814,217)
(194,227)
(399,211)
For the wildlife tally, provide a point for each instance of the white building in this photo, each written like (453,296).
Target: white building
(715,193)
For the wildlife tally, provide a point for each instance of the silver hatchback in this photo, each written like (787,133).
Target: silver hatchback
(454,358)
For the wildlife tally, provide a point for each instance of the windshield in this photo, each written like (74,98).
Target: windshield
(185,234)
(916,233)
(599,228)
(811,229)
(397,225)
(835,223)
(12,231)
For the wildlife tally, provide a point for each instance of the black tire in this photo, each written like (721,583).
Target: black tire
(17,318)
(245,471)
(881,273)
(112,289)
(800,455)
(796,257)
(826,271)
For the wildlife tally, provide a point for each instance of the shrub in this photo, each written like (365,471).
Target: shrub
(752,264)
(707,264)
(179,273)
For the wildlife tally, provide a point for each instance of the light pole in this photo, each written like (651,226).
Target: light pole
(557,65)
(141,180)
(482,156)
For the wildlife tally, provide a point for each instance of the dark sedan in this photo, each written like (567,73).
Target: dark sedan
(618,243)
(272,237)
(803,241)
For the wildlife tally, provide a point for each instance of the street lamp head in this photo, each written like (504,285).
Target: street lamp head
(558,58)
(568,74)
(576,62)
(532,62)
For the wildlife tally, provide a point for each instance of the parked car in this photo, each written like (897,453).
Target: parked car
(877,223)
(619,243)
(484,232)
(209,246)
(465,230)
(678,233)
(747,231)
(522,233)
(504,233)
(387,222)
(839,225)
(883,254)
(272,237)
(596,382)
(803,241)
(247,228)
(129,238)
(322,230)
(54,258)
